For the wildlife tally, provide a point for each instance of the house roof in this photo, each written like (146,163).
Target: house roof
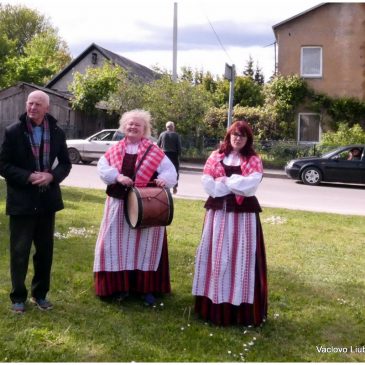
(21,84)
(133,68)
(274,27)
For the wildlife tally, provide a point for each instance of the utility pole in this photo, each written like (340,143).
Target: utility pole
(230,74)
(174,46)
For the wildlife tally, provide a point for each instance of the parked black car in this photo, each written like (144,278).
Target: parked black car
(345,164)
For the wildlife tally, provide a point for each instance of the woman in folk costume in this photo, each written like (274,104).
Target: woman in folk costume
(132,260)
(230,282)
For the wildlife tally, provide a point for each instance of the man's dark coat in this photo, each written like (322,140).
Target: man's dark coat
(17,163)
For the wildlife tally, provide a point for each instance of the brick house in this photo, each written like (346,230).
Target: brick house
(326,46)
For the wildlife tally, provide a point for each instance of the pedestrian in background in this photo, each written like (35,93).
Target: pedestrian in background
(33,160)
(170,142)
(230,281)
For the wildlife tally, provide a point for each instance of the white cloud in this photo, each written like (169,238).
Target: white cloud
(210,33)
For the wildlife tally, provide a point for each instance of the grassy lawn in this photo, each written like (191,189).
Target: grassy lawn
(316,269)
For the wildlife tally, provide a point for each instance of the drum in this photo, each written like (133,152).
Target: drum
(149,207)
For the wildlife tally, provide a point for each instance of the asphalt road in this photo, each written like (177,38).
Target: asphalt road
(272,192)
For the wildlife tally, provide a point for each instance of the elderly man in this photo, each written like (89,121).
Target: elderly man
(33,160)
(169,141)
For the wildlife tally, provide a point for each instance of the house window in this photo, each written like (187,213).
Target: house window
(309,127)
(94,58)
(311,62)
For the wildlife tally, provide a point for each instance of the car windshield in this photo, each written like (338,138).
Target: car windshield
(103,136)
(341,154)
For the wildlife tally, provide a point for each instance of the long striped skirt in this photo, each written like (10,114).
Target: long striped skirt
(108,283)
(247,312)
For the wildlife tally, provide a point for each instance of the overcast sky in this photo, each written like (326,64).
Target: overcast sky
(210,32)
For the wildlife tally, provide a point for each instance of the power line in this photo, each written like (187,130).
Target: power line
(219,40)
(216,34)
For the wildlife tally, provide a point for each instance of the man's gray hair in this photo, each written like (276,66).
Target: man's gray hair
(170,125)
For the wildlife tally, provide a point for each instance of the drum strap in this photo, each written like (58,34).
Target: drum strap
(119,191)
(140,161)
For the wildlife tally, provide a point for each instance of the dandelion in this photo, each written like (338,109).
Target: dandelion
(161,304)
(276,315)
(182,328)
(251,343)
(210,334)
(229,351)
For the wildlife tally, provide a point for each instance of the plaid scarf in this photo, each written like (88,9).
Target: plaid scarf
(36,146)
(115,156)
(214,167)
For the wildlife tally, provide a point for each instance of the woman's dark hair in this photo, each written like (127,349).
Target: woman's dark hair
(242,127)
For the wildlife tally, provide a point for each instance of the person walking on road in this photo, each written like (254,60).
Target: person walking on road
(33,160)
(170,142)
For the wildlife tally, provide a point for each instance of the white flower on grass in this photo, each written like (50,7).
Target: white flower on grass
(251,343)
(210,334)
(275,220)
(229,351)
(182,328)
(276,315)
(74,232)
(161,304)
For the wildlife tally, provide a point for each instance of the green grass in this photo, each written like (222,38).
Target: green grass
(316,271)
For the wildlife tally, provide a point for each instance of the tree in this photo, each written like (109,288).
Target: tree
(20,24)
(30,48)
(43,57)
(248,70)
(247,92)
(259,76)
(95,86)
(181,102)
(128,96)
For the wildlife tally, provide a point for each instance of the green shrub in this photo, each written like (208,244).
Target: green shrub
(343,136)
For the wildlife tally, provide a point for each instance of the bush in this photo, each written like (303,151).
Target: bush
(343,136)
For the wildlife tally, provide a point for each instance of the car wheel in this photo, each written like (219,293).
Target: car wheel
(311,176)
(74,155)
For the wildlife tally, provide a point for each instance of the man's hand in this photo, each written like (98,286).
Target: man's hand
(40,178)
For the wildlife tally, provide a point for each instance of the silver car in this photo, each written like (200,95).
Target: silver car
(93,147)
